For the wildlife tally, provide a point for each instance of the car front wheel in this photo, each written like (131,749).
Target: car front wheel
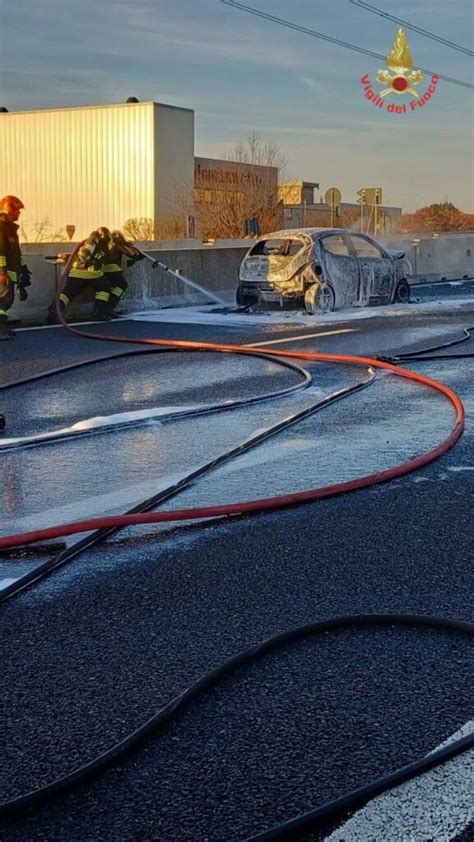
(319,298)
(402,292)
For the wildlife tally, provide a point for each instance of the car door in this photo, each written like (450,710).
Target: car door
(376,269)
(340,268)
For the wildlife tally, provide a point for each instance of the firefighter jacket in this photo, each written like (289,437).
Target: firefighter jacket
(88,262)
(10,251)
(120,255)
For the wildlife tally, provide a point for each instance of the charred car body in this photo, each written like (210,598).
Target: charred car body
(327,268)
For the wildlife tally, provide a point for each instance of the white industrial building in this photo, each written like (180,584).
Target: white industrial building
(100,165)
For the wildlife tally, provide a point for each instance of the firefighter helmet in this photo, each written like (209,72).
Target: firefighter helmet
(104,234)
(11,207)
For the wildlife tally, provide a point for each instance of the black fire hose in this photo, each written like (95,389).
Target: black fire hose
(337,808)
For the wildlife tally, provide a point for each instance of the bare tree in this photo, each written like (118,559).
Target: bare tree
(42,232)
(224,217)
(139,229)
(255,150)
(144,229)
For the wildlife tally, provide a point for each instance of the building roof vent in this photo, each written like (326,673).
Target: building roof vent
(133,99)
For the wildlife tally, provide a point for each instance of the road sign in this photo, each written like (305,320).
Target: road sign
(372,195)
(332,197)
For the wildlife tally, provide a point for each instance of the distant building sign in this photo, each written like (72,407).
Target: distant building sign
(205,177)
(215,176)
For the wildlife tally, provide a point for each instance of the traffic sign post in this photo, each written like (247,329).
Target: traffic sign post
(371,196)
(363,202)
(332,197)
(377,198)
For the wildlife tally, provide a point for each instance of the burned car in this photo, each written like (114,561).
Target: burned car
(326,268)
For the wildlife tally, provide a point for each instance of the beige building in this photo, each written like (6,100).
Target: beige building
(100,165)
(297,192)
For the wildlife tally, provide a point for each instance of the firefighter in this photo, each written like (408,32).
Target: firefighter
(87,270)
(14,273)
(120,256)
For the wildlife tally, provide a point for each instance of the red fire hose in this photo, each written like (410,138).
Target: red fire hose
(268,503)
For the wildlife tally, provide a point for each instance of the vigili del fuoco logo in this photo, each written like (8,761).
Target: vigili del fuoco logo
(399,79)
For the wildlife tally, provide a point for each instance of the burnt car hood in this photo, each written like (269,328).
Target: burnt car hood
(397,254)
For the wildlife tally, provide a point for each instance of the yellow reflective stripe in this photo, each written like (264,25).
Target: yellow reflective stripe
(12,275)
(3,260)
(64,298)
(117,291)
(3,313)
(86,273)
(112,267)
(102,296)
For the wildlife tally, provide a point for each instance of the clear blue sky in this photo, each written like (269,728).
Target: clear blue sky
(240,74)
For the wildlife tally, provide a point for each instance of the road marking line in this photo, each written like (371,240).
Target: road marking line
(303,336)
(437,805)
(52,327)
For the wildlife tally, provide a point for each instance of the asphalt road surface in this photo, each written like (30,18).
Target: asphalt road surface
(94,650)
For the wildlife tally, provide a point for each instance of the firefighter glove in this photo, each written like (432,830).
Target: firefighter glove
(25,276)
(21,292)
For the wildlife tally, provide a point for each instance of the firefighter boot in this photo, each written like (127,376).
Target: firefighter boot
(101,311)
(52,317)
(113,301)
(4,332)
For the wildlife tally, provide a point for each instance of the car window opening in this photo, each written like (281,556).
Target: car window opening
(335,244)
(280,248)
(363,248)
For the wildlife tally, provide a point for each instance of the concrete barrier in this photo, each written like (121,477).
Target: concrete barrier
(434,258)
(215,266)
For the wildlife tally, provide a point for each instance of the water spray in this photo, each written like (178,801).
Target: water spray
(155,264)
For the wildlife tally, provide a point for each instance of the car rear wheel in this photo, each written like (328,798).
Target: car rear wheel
(402,292)
(319,298)
(245,299)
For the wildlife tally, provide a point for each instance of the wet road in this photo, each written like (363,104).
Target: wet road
(94,650)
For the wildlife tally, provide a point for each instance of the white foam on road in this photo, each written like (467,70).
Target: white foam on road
(302,337)
(207,315)
(5,582)
(105,421)
(436,806)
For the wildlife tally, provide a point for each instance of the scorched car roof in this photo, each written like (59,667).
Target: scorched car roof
(313,233)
